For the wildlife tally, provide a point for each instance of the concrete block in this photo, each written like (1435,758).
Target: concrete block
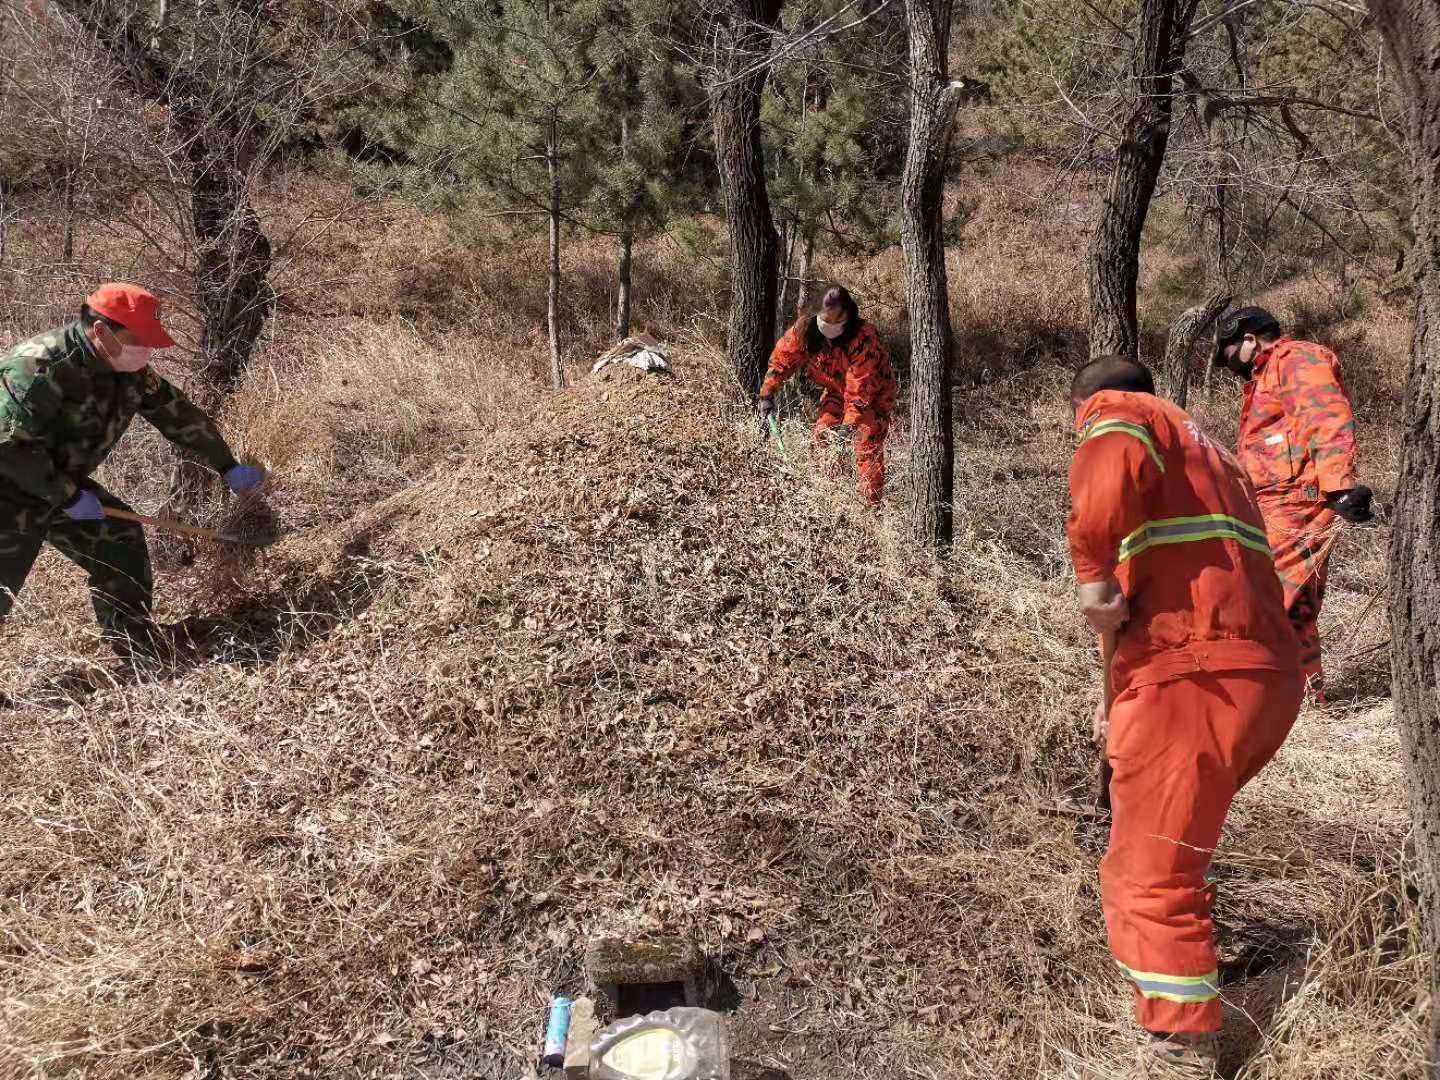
(641,975)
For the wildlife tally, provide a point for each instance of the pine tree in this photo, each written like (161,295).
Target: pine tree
(834,118)
(649,106)
(514,121)
(567,112)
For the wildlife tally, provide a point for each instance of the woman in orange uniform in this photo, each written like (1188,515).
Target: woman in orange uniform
(845,358)
(1171,558)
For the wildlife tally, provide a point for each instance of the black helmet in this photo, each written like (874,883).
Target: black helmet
(1233,326)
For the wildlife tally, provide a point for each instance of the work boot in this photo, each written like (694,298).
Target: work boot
(1187,1056)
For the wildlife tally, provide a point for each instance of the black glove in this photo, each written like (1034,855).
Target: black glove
(766,408)
(1352,505)
(844,434)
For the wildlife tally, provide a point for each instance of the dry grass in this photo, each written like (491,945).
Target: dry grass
(530,665)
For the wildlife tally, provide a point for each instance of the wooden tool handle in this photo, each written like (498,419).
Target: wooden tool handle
(1108,641)
(164,524)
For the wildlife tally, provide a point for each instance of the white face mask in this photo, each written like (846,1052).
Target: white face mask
(132,358)
(830,330)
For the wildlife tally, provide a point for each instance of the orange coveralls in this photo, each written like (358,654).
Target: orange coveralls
(857,387)
(1297,442)
(1205,676)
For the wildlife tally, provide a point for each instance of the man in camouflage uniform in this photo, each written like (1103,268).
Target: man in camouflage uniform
(1297,443)
(845,358)
(66,398)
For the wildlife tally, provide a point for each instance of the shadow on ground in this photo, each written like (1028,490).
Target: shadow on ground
(252,633)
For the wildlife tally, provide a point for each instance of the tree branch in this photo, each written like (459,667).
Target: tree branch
(1220,16)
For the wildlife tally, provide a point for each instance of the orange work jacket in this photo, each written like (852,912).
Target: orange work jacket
(1168,513)
(1297,430)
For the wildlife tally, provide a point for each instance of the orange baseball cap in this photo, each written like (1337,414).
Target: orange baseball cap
(136,309)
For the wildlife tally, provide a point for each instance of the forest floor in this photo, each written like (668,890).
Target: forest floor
(530,666)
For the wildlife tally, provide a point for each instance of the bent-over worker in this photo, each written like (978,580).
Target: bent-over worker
(845,358)
(66,398)
(1170,555)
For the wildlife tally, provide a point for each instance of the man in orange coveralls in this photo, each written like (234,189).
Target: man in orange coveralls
(1170,555)
(847,361)
(1297,442)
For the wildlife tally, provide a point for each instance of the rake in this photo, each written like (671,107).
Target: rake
(181,528)
(775,431)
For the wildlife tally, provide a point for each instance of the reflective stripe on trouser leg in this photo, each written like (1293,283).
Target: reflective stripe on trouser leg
(1178,988)
(1197,740)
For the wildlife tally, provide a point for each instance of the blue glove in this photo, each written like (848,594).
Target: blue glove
(243,479)
(86,507)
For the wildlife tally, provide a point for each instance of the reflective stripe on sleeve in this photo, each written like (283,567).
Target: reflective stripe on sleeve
(1125,427)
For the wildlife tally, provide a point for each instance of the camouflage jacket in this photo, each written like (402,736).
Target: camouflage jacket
(1297,431)
(854,368)
(63,409)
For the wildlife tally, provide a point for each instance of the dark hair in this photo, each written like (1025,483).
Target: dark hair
(1232,327)
(839,296)
(89,316)
(1111,373)
(816,342)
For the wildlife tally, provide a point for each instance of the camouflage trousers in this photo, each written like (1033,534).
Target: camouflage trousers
(870,434)
(112,554)
(1301,536)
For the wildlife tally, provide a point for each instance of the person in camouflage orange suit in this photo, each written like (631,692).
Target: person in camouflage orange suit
(845,358)
(1297,443)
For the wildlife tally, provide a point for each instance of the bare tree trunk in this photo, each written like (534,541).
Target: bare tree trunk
(1180,346)
(735,112)
(162,21)
(627,248)
(233,272)
(216,145)
(622,296)
(1411,29)
(788,235)
(1218,218)
(68,216)
(933,100)
(552,305)
(1215,230)
(1115,250)
(802,272)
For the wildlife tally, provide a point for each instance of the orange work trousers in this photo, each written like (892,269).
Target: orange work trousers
(1181,750)
(870,436)
(1301,536)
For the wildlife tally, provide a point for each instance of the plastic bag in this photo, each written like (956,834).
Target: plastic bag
(679,1044)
